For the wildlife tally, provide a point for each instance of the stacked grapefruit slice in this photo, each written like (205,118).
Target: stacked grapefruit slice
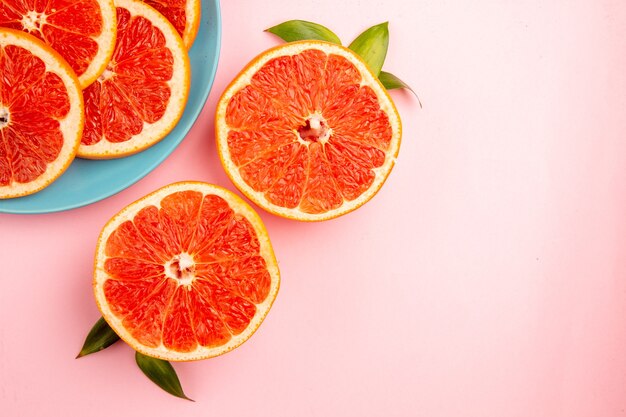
(81,31)
(89,78)
(142,92)
(41,114)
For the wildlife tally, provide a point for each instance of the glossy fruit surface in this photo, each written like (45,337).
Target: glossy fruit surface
(185,273)
(307,132)
(41,114)
(142,94)
(81,31)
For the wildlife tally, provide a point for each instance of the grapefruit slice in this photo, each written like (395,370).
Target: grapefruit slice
(185,273)
(307,132)
(142,93)
(183,14)
(41,114)
(81,31)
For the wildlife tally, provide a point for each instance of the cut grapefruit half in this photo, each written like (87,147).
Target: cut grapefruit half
(185,273)
(142,94)
(81,31)
(41,114)
(183,14)
(307,132)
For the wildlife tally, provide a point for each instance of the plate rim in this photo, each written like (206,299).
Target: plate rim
(195,113)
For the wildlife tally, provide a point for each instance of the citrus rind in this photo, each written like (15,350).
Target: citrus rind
(368,79)
(128,213)
(71,126)
(179,84)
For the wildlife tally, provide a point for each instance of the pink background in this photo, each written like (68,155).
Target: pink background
(487,278)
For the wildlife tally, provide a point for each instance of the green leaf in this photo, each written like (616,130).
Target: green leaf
(161,373)
(100,337)
(391,82)
(372,45)
(301,30)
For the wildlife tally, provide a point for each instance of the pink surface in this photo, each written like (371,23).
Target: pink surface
(487,278)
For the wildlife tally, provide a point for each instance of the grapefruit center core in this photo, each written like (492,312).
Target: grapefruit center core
(33,20)
(182,269)
(315,129)
(109,72)
(4,117)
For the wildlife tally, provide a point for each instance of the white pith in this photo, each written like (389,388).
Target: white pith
(192,21)
(5,116)
(32,21)
(315,121)
(178,84)
(106,74)
(71,126)
(368,79)
(128,213)
(181,268)
(106,44)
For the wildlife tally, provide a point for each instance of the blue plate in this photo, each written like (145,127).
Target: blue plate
(86,182)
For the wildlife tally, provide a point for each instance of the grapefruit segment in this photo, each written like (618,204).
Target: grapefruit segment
(125,269)
(120,293)
(81,31)
(247,145)
(287,191)
(353,165)
(249,109)
(142,93)
(117,245)
(178,334)
(321,194)
(183,212)
(235,311)
(93,116)
(185,273)
(263,171)
(145,321)
(41,114)
(210,329)
(39,140)
(246,277)
(307,132)
(120,120)
(309,65)
(77,49)
(156,229)
(45,96)
(346,115)
(340,75)
(20,70)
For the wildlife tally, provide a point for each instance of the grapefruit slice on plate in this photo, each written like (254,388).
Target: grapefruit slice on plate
(81,31)
(307,132)
(185,273)
(142,94)
(41,114)
(183,14)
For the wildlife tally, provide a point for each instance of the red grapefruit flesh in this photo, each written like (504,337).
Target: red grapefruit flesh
(41,114)
(185,273)
(307,132)
(142,94)
(81,31)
